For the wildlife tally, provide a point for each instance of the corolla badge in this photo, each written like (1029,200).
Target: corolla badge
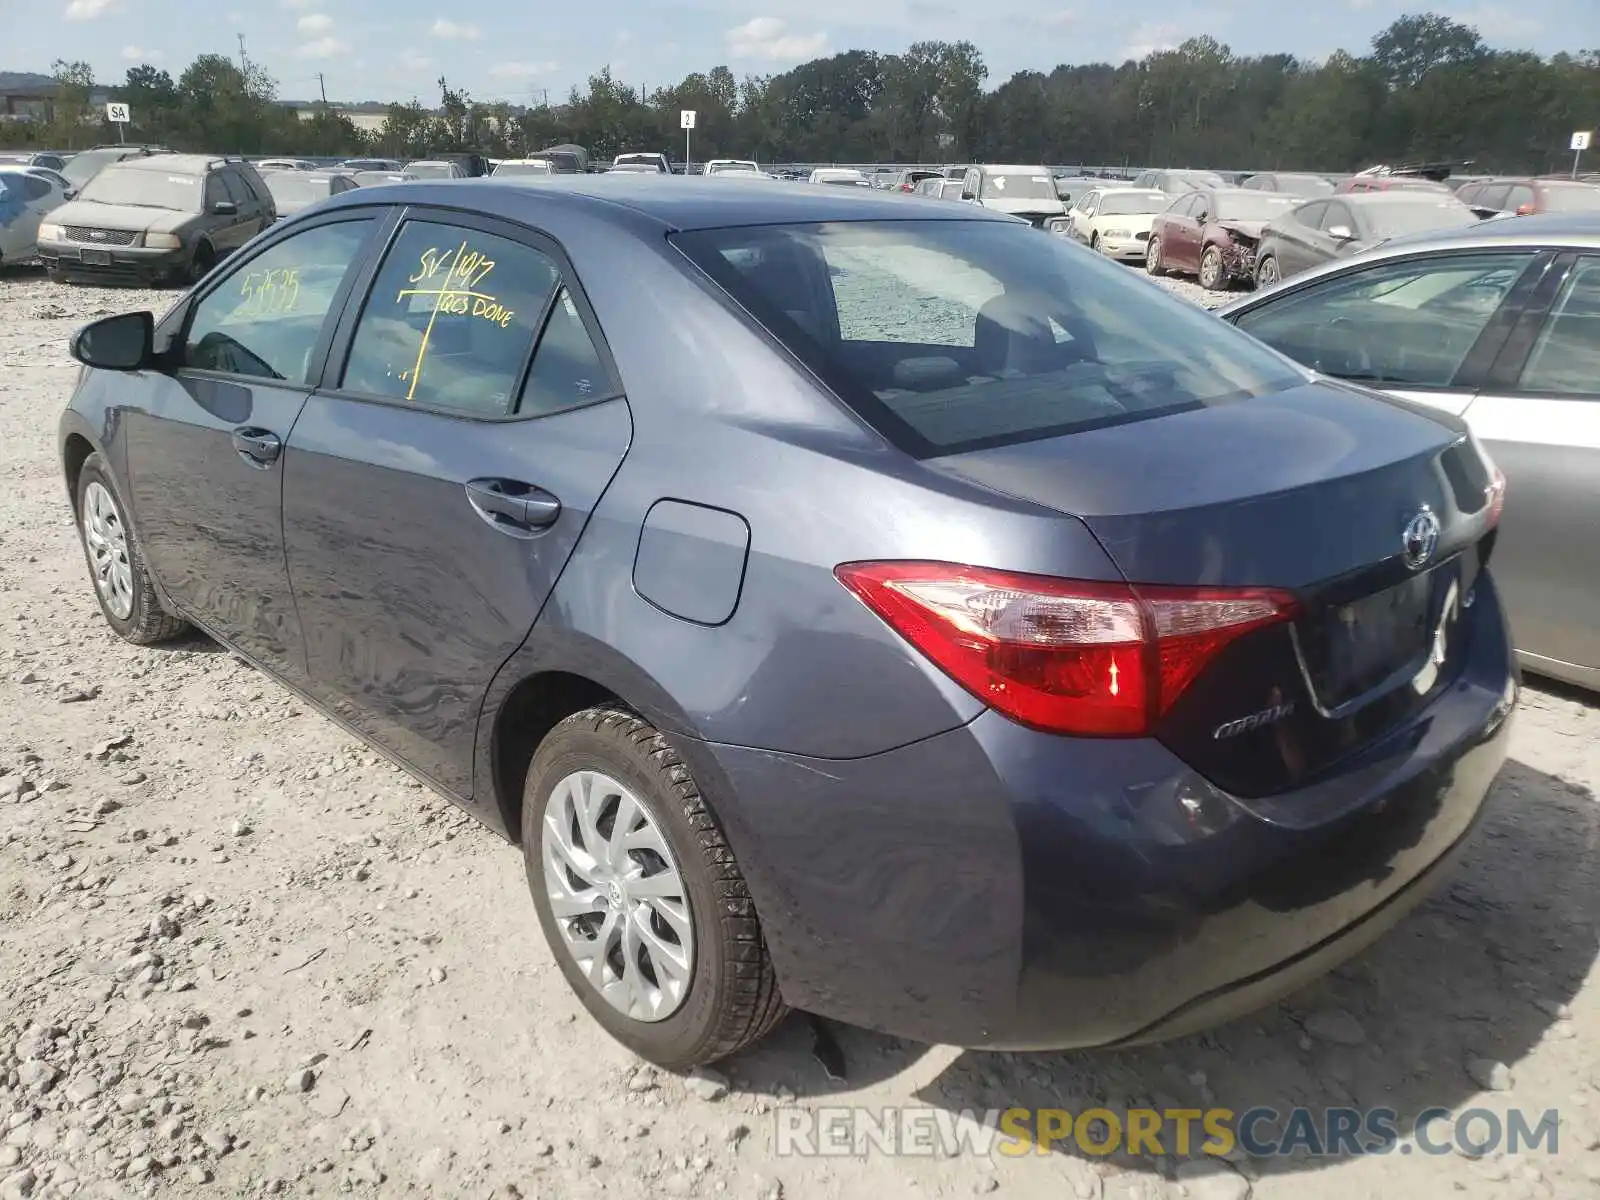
(1420,539)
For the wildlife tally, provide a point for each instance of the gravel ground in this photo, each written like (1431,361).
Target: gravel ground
(240,955)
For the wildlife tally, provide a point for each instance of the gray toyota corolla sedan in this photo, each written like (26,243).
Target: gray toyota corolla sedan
(870,608)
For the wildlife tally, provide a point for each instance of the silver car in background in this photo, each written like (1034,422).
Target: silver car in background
(1499,323)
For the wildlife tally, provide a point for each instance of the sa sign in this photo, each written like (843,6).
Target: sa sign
(686,118)
(1580,140)
(118,114)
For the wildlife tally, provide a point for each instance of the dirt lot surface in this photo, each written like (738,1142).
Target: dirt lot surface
(242,955)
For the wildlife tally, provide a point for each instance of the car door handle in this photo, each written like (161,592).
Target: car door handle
(260,446)
(513,506)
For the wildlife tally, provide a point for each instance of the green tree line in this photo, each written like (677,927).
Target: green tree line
(1428,89)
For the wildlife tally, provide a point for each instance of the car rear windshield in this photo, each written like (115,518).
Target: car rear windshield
(1202,178)
(955,335)
(143,188)
(1577,197)
(298,188)
(1131,204)
(524,168)
(431,170)
(1395,218)
(84,166)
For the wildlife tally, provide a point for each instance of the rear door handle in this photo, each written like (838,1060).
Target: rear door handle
(513,506)
(260,446)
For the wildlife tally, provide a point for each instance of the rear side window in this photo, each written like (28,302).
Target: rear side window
(1566,358)
(451,320)
(952,335)
(1403,324)
(264,319)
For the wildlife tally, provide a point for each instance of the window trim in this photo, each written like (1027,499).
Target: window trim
(375,214)
(1504,377)
(1474,372)
(343,339)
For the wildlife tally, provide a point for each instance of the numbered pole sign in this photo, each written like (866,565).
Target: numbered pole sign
(686,118)
(1580,140)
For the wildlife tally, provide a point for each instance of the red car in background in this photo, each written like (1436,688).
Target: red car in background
(1213,233)
(1391,183)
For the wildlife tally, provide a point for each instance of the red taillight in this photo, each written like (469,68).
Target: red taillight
(1495,494)
(1063,655)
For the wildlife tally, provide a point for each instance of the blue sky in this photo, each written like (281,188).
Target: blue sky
(388,49)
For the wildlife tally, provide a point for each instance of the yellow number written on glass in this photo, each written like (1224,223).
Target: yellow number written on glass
(269,293)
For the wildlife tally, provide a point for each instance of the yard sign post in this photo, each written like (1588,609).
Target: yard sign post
(1579,143)
(686,119)
(119,116)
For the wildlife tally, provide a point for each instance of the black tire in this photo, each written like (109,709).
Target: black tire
(732,998)
(200,265)
(1267,272)
(147,622)
(1212,270)
(1094,241)
(1152,258)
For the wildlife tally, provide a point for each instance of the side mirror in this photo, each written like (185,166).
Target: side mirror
(224,208)
(1524,210)
(70,194)
(966,195)
(125,342)
(1341,233)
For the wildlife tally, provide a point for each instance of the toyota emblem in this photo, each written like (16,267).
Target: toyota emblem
(1420,539)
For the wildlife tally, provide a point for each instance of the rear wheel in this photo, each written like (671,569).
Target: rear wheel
(1213,275)
(639,895)
(122,585)
(1267,272)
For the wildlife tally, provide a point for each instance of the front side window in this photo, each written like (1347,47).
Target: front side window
(215,192)
(1399,324)
(1311,215)
(1566,358)
(265,318)
(950,335)
(451,319)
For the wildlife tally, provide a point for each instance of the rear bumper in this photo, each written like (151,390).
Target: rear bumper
(997,887)
(130,264)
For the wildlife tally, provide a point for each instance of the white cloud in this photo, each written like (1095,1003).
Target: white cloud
(1498,24)
(138,54)
(769,38)
(89,10)
(412,61)
(314,23)
(450,31)
(522,70)
(1150,37)
(328,47)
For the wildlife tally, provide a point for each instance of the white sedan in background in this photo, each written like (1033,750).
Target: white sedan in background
(26,195)
(1116,220)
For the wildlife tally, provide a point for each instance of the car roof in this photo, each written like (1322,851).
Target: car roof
(1388,198)
(674,203)
(1014,168)
(172,164)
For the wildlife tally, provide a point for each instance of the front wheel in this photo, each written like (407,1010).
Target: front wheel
(639,895)
(200,265)
(1152,258)
(1094,242)
(1213,275)
(122,585)
(1267,272)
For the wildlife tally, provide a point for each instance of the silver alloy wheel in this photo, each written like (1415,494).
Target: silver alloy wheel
(1267,273)
(107,539)
(617,896)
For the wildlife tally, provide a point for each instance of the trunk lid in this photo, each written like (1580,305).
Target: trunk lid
(1324,490)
